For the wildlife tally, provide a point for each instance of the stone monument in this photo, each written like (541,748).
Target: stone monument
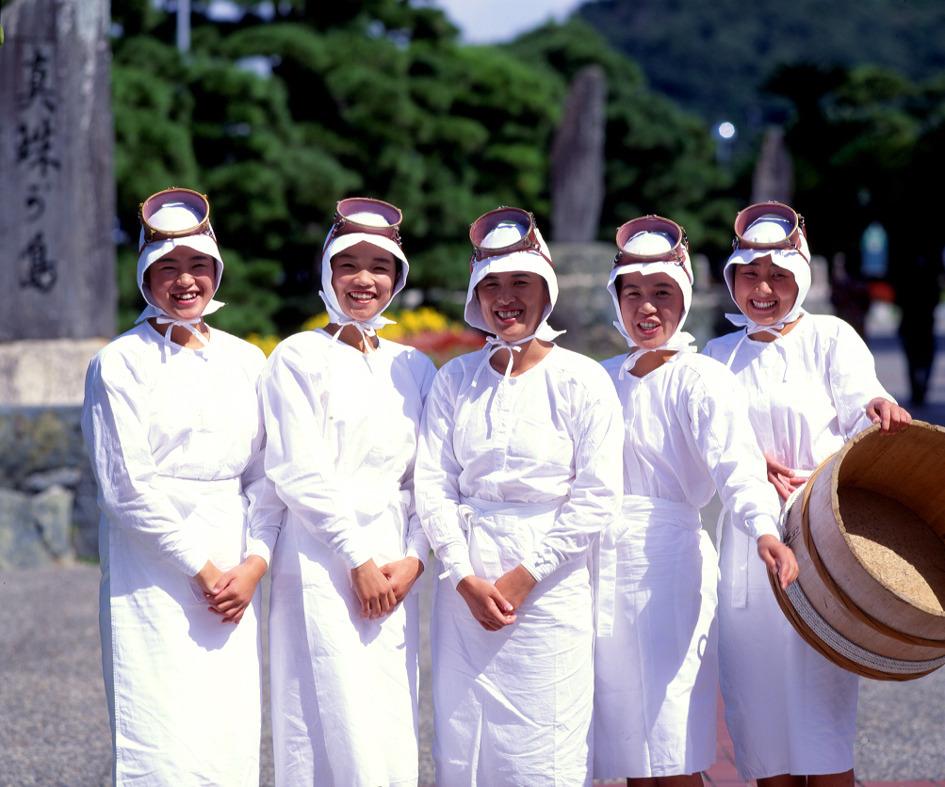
(577,160)
(577,193)
(773,178)
(57,269)
(57,257)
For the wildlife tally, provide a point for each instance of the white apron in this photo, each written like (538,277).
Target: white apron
(815,731)
(332,669)
(657,674)
(181,669)
(513,707)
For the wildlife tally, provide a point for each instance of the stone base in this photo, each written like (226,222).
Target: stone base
(48,507)
(38,372)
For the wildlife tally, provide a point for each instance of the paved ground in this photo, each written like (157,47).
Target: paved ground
(54,726)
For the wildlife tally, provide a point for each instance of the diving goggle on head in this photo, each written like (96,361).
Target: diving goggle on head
(676,254)
(790,220)
(524,221)
(367,215)
(191,217)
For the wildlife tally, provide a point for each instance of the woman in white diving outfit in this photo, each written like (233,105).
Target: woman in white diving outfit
(811,385)
(175,434)
(686,436)
(342,414)
(518,471)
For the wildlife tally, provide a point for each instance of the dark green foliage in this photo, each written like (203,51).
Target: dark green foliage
(277,118)
(714,57)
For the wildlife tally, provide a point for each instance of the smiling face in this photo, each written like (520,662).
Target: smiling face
(363,278)
(182,282)
(764,292)
(512,303)
(651,307)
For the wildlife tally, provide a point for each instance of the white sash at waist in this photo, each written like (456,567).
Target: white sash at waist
(502,534)
(636,510)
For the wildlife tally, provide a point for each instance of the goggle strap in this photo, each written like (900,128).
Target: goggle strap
(342,225)
(528,242)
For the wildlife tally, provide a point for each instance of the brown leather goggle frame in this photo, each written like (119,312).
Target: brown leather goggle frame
(189,197)
(342,224)
(752,213)
(489,221)
(676,255)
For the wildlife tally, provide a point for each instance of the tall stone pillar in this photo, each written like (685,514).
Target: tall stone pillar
(773,178)
(57,256)
(577,160)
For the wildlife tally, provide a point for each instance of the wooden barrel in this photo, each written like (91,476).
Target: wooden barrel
(868,530)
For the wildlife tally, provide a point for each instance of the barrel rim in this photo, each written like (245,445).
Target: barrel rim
(838,458)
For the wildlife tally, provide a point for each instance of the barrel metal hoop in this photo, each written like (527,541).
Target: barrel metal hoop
(850,650)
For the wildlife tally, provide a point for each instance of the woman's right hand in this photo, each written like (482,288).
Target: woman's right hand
(373,590)
(487,605)
(207,577)
(782,477)
(779,558)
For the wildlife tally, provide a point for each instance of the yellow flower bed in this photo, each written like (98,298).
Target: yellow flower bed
(408,322)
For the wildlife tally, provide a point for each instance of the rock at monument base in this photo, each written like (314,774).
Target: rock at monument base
(43,461)
(21,545)
(51,511)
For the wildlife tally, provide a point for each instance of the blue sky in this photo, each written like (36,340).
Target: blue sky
(490,21)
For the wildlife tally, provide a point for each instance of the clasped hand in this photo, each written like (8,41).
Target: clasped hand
(230,592)
(494,605)
(379,590)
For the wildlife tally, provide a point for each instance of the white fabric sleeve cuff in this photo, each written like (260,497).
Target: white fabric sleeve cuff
(418,546)
(255,546)
(191,561)
(539,566)
(191,555)
(763,525)
(456,561)
(356,557)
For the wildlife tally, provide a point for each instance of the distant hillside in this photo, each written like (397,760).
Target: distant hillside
(713,57)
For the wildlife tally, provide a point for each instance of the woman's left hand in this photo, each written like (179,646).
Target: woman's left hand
(234,591)
(890,416)
(515,585)
(402,574)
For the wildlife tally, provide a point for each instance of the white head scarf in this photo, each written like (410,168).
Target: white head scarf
(173,216)
(504,234)
(650,243)
(771,228)
(337,244)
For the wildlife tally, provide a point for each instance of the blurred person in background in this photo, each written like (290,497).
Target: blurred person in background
(916,275)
